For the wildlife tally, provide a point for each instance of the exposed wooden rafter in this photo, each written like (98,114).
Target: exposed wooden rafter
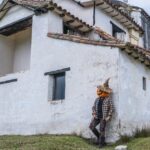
(107,5)
(16,26)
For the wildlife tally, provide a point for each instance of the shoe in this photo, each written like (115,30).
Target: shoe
(102,142)
(101,145)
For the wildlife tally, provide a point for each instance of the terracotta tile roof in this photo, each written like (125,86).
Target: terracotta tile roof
(42,6)
(85,40)
(104,35)
(136,52)
(115,12)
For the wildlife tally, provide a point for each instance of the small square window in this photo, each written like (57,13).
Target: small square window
(68,30)
(59,86)
(144,83)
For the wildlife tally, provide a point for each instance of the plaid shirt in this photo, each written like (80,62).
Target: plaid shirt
(107,108)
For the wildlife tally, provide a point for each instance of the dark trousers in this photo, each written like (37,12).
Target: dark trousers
(101,133)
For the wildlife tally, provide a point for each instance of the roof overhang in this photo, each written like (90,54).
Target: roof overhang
(68,18)
(115,13)
(4,7)
(16,26)
(43,6)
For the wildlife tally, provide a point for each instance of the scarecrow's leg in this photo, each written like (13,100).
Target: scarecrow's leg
(102,133)
(93,125)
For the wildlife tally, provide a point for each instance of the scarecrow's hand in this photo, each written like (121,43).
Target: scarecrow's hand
(107,119)
(94,114)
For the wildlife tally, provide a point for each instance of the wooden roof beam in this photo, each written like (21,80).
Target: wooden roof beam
(147,62)
(69,21)
(141,57)
(76,23)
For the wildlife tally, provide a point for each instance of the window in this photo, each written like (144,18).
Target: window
(59,86)
(144,83)
(72,30)
(67,29)
(118,32)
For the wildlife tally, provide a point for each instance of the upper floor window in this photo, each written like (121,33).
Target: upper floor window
(118,32)
(67,29)
(72,31)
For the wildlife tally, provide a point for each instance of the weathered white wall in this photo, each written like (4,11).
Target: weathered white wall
(134,102)
(55,23)
(6,55)
(27,109)
(22,50)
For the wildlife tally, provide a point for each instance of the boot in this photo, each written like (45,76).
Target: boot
(102,142)
(96,133)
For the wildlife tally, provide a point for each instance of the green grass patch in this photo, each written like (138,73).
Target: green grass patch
(144,132)
(64,142)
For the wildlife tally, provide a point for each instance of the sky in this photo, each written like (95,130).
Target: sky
(141,3)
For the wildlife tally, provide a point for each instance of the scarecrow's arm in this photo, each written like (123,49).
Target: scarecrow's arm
(93,108)
(110,110)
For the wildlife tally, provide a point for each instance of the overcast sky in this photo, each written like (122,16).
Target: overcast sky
(141,3)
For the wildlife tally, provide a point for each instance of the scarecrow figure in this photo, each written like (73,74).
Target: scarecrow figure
(102,112)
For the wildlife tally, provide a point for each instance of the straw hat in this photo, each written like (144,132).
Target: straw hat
(105,87)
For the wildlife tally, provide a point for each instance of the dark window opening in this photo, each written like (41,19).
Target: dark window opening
(144,83)
(72,31)
(67,29)
(118,32)
(59,86)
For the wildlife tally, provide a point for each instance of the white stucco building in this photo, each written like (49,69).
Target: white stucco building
(53,54)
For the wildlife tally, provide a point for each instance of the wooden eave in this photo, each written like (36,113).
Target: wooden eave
(117,15)
(16,26)
(69,19)
(41,7)
(114,12)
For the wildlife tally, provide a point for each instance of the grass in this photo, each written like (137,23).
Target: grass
(144,132)
(44,142)
(51,142)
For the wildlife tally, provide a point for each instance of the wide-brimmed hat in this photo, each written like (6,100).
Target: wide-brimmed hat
(105,87)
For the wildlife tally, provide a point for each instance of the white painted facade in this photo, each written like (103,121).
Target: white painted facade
(26,106)
(134,102)
(31,110)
